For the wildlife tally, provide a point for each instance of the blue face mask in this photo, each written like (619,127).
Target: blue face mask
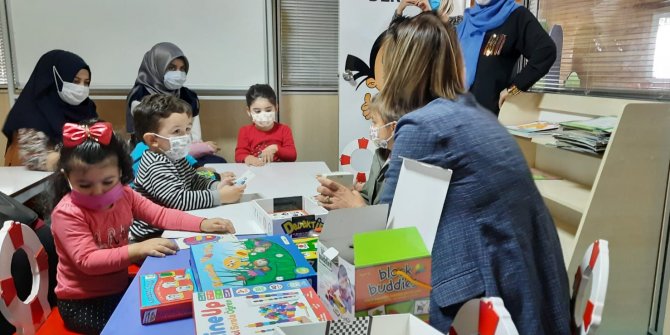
(434,4)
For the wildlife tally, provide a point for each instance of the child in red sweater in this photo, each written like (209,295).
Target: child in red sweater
(265,140)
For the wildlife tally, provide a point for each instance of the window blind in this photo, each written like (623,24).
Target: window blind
(308,45)
(609,47)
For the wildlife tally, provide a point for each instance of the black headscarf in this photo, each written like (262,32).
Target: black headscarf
(40,107)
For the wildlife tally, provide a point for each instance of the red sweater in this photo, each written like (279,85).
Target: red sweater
(251,141)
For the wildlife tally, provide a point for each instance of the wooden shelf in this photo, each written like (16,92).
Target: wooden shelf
(565,193)
(619,197)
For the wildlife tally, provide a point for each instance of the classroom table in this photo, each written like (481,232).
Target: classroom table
(22,184)
(278,179)
(272,180)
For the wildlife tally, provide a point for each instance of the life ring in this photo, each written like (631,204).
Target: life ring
(345,158)
(594,269)
(26,315)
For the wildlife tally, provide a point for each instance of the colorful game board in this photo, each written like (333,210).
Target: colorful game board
(166,296)
(308,247)
(250,262)
(257,309)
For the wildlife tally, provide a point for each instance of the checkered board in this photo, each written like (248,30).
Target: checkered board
(360,326)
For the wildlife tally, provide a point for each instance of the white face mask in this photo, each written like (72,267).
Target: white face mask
(178,146)
(483,2)
(374,136)
(71,93)
(264,119)
(174,80)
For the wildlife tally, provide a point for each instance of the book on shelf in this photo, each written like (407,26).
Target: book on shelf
(532,129)
(582,141)
(600,124)
(542,175)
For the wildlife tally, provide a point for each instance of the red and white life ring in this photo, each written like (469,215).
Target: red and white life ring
(345,158)
(26,315)
(595,269)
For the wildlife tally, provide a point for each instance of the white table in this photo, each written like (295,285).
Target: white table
(273,180)
(277,180)
(22,184)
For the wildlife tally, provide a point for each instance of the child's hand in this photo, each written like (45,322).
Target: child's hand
(156,247)
(253,161)
(358,186)
(227,174)
(230,194)
(228,181)
(268,154)
(216,225)
(213,146)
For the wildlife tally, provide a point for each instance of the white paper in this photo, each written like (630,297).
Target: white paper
(241,215)
(425,185)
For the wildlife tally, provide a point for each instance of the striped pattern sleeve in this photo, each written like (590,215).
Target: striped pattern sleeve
(169,184)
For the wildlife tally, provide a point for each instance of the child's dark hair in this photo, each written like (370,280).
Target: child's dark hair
(153,108)
(261,91)
(88,153)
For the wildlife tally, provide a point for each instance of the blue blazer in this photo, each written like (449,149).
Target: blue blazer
(495,236)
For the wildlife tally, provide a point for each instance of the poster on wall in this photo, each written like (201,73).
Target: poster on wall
(362,24)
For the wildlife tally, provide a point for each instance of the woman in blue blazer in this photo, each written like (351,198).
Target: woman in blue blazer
(495,235)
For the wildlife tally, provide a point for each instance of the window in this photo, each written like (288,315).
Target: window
(3,64)
(609,47)
(308,45)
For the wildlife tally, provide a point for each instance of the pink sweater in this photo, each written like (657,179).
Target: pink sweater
(92,246)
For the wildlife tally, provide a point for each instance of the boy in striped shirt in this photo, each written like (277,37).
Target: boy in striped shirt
(164,176)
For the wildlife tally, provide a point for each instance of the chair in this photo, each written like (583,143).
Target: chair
(485,316)
(593,272)
(34,313)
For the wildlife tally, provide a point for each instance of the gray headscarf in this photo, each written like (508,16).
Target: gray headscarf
(155,64)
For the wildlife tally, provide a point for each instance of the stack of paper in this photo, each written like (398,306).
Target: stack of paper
(587,136)
(532,129)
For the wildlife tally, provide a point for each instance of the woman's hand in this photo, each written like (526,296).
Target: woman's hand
(335,195)
(156,247)
(253,161)
(268,154)
(217,225)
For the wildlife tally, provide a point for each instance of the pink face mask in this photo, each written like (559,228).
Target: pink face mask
(97,202)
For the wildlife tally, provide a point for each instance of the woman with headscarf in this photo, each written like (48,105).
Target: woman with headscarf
(163,71)
(493,34)
(56,93)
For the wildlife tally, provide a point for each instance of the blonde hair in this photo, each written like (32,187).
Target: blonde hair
(445,8)
(422,61)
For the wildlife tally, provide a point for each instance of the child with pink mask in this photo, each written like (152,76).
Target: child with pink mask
(90,225)
(266,140)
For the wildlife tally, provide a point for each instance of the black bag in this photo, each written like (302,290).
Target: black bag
(10,209)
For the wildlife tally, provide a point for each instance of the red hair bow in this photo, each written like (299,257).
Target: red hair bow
(75,134)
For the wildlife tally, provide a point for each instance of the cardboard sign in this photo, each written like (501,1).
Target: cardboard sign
(166,296)
(295,216)
(398,324)
(257,309)
(254,261)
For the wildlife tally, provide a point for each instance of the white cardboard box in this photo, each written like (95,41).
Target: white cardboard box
(396,324)
(418,202)
(293,225)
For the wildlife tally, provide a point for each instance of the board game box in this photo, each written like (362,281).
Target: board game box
(308,247)
(257,309)
(261,260)
(166,296)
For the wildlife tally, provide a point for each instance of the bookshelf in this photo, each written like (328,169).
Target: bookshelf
(619,196)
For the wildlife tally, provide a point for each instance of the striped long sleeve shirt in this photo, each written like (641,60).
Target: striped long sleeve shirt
(173,184)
